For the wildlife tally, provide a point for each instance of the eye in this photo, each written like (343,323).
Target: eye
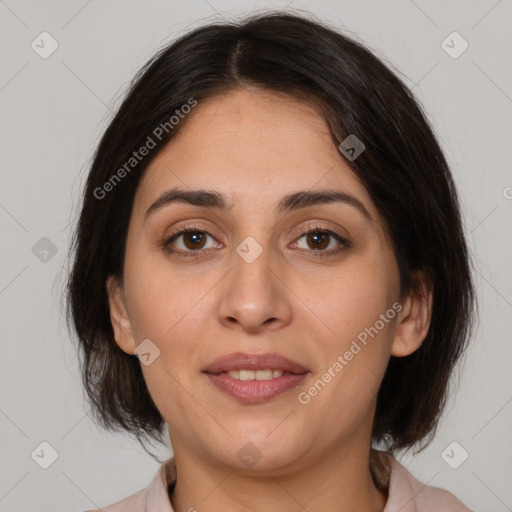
(191,241)
(318,240)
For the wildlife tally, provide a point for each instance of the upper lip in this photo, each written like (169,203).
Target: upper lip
(245,361)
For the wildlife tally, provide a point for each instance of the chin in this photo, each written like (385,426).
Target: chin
(256,452)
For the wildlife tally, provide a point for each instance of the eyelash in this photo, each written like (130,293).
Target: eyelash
(322,253)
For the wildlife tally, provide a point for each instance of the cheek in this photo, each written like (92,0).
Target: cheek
(171,311)
(346,385)
(162,302)
(354,322)
(168,313)
(343,303)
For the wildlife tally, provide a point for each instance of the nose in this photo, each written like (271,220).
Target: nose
(254,296)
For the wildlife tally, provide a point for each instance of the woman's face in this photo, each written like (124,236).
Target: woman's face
(249,280)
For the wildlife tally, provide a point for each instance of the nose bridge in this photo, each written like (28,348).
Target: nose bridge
(253,259)
(252,269)
(254,250)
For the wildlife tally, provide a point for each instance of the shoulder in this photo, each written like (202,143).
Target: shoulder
(153,497)
(134,503)
(417,496)
(407,494)
(434,499)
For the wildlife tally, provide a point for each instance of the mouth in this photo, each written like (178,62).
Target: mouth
(267,374)
(254,378)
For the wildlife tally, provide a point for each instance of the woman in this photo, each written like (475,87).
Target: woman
(270,264)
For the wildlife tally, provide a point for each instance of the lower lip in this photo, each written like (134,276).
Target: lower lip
(255,391)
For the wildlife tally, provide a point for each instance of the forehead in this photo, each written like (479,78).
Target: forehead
(256,146)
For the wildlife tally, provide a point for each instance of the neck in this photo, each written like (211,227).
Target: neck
(339,480)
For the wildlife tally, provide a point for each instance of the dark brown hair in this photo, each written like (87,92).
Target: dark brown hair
(402,167)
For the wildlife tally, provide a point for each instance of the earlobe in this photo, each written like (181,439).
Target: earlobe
(119,319)
(414,319)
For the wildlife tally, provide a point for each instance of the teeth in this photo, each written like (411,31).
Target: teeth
(252,375)
(248,374)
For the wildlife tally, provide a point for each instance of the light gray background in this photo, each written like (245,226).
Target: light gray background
(53,112)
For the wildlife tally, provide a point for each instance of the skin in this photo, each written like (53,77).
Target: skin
(254,147)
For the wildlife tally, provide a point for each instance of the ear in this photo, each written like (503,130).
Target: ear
(414,319)
(119,317)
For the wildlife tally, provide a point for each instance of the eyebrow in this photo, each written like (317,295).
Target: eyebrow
(290,202)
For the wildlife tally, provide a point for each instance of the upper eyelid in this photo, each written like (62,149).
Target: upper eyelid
(302,230)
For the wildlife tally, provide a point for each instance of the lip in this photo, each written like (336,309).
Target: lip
(246,361)
(254,391)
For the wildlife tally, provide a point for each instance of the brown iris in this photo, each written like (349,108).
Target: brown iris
(315,237)
(195,239)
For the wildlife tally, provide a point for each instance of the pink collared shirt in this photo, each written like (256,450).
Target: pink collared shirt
(405,492)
